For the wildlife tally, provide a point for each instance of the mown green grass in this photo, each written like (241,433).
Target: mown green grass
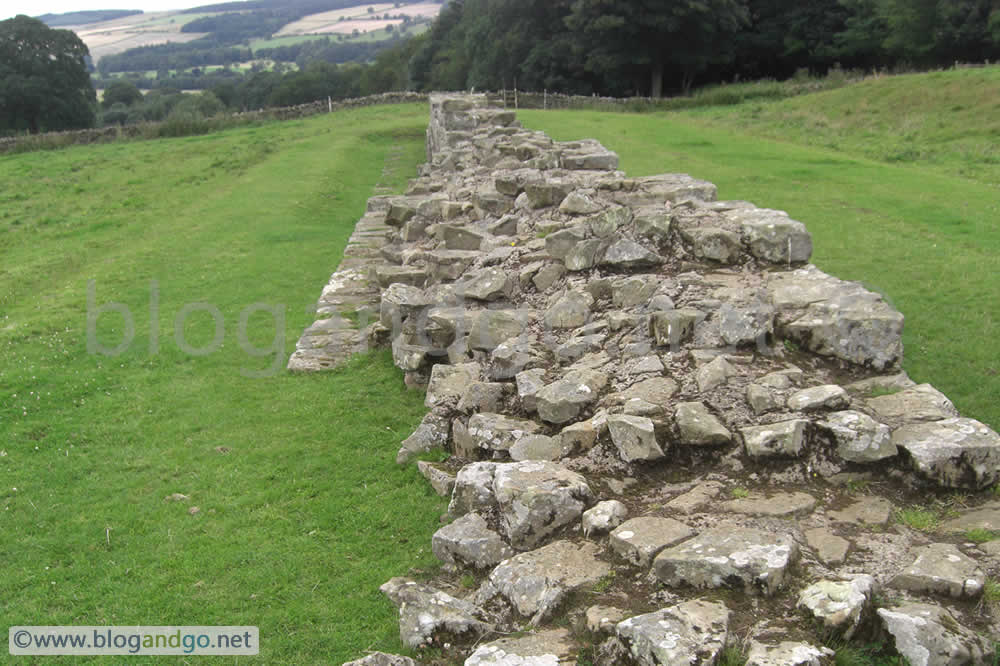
(947,120)
(303,511)
(924,237)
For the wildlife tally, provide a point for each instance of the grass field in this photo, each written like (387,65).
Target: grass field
(923,235)
(303,511)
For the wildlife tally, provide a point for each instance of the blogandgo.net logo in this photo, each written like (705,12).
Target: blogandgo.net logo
(154,640)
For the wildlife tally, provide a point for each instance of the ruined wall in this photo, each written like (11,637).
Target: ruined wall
(648,394)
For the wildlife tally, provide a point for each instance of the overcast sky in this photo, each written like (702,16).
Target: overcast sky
(9,8)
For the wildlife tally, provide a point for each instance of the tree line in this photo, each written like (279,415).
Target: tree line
(647,46)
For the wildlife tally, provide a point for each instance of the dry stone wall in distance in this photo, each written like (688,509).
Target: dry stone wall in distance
(668,432)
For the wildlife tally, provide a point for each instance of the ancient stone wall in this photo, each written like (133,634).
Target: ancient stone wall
(658,416)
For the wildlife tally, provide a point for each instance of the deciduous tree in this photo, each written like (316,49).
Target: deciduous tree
(44,83)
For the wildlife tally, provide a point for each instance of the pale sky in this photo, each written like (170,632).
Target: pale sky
(10,8)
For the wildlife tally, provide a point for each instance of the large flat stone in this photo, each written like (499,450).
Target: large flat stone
(634,437)
(693,632)
(916,404)
(841,605)
(536,499)
(858,437)
(776,504)
(469,542)
(536,582)
(751,559)
(783,439)
(550,647)
(941,568)
(929,635)
(639,540)
(425,612)
(955,453)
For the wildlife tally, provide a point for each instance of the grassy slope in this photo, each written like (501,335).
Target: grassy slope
(307,514)
(926,238)
(947,120)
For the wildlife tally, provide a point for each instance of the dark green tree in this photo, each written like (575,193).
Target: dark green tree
(44,83)
(656,35)
(121,92)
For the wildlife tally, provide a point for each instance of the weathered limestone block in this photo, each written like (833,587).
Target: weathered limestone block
(653,222)
(603,517)
(473,489)
(513,356)
(672,187)
(529,383)
(714,373)
(673,327)
(746,324)
(450,382)
(830,548)
(496,432)
(489,202)
(865,511)
(563,400)
(841,605)
(536,499)
(449,264)
(634,437)
(560,243)
(745,558)
(400,301)
(489,284)
(830,396)
(776,504)
(410,275)
(956,453)
(916,404)
(639,540)
(550,647)
(634,290)
(788,653)
(578,202)
(832,317)
(460,237)
(469,542)
(401,209)
(718,245)
(492,327)
(763,399)
(698,426)
(627,254)
(941,568)
(537,447)
(483,397)
(570,311)
(424,612)
(536,582)
(693,632)
(430,435)
(785,439)
(928,635)
(772,236)
(441,481)
(858,437)
(697,498)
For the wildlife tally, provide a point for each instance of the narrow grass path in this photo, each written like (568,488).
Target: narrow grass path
(927,240)
(302,511)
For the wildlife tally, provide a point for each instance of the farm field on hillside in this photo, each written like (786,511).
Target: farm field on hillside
(302,511)
(344,21)
(130,32)
(926,239)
